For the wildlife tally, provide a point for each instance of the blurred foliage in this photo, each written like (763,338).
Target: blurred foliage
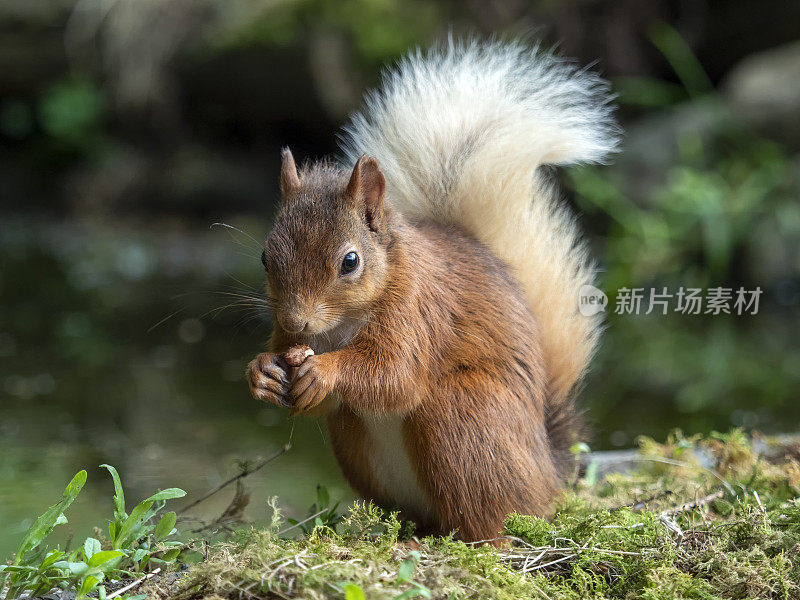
(72,110)
(714,219)
(703,215)
(379,30)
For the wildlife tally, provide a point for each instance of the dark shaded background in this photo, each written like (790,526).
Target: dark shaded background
(128,127)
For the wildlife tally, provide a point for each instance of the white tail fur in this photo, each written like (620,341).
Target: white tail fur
(460,133)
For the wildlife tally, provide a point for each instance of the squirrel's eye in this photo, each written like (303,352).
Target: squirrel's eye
(264,259)
(349,263)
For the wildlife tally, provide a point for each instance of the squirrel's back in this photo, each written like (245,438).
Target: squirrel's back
(462,133)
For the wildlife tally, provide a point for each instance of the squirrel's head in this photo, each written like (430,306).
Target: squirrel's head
(326,256)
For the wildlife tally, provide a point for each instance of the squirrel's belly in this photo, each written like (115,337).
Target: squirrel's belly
(392,467)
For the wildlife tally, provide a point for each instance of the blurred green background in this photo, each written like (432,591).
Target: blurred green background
(129,127)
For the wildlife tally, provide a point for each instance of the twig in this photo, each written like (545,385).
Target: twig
(640,504)
(303,522)
(241,475)
(607,551)
(694,504)
(234,514)
(552,562)
(502,537)
(670,524)
(541,591)
(130,586)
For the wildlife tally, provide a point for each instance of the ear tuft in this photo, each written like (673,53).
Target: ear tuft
(290,182)
(368,186)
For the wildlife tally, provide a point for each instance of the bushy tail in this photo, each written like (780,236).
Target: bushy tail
(461,133)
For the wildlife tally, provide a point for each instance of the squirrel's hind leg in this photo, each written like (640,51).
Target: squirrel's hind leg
(488,458)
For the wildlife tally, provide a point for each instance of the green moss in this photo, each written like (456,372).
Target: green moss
(623,537)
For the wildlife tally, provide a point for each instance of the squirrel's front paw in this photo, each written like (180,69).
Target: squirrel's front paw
(313,381)
(268,379)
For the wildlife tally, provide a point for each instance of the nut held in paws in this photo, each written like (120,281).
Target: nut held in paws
(295,355)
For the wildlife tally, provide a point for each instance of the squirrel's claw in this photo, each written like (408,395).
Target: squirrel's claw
(308,400)
(268,380)
(310,385)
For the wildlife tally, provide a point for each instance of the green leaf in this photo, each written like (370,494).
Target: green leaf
(165,525)
(171,555)
(51,517)
(18,568)
(132,521)
(139,554)
(103,557)
(405,571)
(167,494)
(90,547)
(408,565)
(323,498)
(353,592)
(87,585)
(119,495)
(51,558)
(78,568)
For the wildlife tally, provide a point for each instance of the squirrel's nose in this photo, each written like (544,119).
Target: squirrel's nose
(292,323)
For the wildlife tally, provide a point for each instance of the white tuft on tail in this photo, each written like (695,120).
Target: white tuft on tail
(461,133)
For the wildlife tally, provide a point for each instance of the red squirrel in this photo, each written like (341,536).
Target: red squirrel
(436,279)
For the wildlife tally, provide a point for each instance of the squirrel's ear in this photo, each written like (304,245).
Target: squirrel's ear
(290,182)
(368,185)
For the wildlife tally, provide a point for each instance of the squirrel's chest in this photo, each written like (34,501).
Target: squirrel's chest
(391,465)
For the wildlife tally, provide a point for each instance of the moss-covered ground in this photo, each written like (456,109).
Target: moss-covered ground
(696,518)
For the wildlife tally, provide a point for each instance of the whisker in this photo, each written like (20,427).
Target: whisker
(243,284)
(167,318)
(321,434)
(244,233)
(248,255)
(246,320)
(270,302)
(214,312)
(220,292)
(242,300)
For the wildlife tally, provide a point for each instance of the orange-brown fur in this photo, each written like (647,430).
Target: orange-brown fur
(434,328)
